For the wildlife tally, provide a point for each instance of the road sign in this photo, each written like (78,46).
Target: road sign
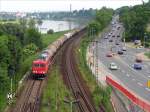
(148,83)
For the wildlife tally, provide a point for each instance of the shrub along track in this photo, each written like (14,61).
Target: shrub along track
(72,76)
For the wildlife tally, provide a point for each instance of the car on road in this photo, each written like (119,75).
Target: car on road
(120,52)
(124,49)
(113,36)
(118,27)
(137,66)
(110,40)
(117,43)
(118,36)
(113,66)
(109,34)
(105,37)
(109,54)
(138,59)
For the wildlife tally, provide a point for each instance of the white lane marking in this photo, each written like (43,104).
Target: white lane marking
(148,89)
(133,79)
(127,75)
(140,84)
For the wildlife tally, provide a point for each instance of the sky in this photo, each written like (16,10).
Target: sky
(61,5)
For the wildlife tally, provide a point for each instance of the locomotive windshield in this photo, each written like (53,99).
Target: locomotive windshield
(39,65)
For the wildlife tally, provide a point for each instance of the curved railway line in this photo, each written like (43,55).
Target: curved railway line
(73,77)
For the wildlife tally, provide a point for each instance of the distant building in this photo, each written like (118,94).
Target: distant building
(21,14)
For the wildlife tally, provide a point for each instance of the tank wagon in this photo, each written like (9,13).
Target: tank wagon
(41,65)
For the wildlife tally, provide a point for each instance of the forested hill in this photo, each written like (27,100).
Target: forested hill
(135,20)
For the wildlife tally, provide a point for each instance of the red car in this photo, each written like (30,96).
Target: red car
(138,59)
(109,54)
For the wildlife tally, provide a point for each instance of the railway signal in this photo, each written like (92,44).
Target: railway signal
(9,98)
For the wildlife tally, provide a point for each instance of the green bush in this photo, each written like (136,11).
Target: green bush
(50,31)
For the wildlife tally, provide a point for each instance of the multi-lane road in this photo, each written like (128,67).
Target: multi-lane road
(135,80)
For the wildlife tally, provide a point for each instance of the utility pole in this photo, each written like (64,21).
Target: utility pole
(70,17)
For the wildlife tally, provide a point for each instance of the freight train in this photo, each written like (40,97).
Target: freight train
(41,65)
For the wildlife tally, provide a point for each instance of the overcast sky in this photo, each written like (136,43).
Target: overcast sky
(61,5)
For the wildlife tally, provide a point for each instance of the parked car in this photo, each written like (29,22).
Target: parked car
(113,66)
(137,42)
(137,66)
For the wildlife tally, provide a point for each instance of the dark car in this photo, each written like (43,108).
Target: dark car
(113,36)
(118,28)
(118,35)
(120,52)
(105,37)
(110,40)
(117,43)
(137,66)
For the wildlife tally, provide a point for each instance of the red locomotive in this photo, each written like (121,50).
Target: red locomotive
(41,65)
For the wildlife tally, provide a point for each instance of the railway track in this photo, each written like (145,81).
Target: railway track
(30,97)
(73,77)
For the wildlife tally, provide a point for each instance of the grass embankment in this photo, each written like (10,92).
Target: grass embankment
(55,86)
(147,54)
(100,95)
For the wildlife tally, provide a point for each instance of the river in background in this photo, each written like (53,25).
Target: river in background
(57,25)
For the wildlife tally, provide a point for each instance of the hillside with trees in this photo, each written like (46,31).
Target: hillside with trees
(135,20)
